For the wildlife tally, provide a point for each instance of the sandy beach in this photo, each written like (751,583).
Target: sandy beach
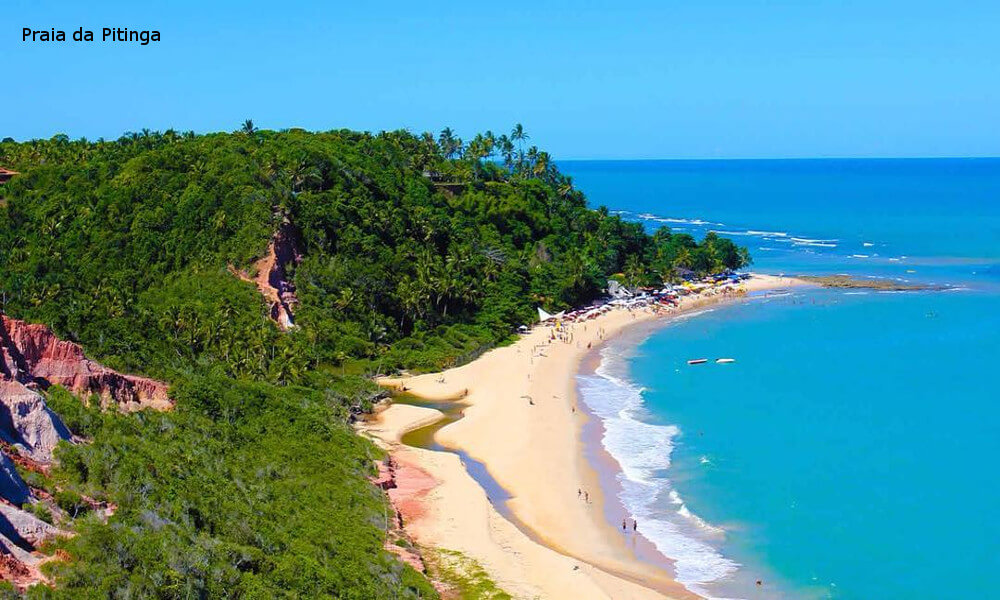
(523,423)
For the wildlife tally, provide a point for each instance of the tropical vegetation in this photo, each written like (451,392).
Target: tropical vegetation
(415,251)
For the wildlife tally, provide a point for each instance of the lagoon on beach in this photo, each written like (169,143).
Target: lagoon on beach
(585,301)
(843,454)
(777,440)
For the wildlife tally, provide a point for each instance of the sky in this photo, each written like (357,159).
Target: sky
(627,80)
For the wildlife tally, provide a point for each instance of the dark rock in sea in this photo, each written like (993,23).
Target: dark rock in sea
(886,285)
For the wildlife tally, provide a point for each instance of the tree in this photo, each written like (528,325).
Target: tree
(507,151)
(517,134)
(450,145)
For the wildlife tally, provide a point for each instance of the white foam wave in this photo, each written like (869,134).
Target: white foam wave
(777,236)
(801,240)
(643,450)
(814,243)
(690,314)
(658,219)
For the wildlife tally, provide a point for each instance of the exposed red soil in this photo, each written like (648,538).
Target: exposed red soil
(16,572)
(32,355)
(406,485)
(412,484)
(32,358)
(271,276)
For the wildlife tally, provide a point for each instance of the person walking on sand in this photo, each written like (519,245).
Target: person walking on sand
(635,526)
(586,497)
(579,493)
(624,528)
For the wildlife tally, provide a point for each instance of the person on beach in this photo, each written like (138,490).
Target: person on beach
(635,526)
(624,528)
(586,497)
(579,493)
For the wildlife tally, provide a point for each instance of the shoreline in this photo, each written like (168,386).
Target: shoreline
(523,422)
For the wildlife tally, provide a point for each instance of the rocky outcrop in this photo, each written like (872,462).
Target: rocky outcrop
(12,487)
(272,275)
(33,356)
(24,529)
(27,423)
(32,359)
(284,248)
(20,533)
(882,285)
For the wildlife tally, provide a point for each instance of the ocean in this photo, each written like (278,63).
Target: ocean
(848,451)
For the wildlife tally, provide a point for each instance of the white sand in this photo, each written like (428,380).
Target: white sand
(535,452)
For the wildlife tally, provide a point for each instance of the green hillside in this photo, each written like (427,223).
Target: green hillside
(412,251)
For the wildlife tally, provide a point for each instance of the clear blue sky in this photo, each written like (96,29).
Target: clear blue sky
(647,79)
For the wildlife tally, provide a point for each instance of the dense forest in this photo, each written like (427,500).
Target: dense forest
(412,251)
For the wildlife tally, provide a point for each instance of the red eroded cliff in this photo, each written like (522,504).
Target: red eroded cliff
(32,354)
(32,358)
(272,275)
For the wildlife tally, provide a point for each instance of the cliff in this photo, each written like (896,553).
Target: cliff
(32,355)
(32,359)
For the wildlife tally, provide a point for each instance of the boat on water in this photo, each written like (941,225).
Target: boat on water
(724,361)
(697,361)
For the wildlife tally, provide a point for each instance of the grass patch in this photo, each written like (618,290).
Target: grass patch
(465,576)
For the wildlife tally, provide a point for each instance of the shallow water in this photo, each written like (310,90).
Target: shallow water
(847,452)
(424,437)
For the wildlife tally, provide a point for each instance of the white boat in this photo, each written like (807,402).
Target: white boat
(723,361)
(697,361)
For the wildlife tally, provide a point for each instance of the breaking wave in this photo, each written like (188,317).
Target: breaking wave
(652,217)
(643,451)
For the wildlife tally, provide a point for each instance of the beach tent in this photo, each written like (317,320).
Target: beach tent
(544,316)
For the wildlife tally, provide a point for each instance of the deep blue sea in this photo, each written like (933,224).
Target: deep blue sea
(850,451)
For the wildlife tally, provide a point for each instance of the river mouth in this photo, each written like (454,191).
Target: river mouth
(424,438)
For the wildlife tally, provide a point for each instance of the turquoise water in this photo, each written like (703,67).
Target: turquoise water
(849,451)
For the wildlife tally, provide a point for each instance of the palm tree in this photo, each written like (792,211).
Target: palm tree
(518,135)
(507,151)
(248,127)
(684,260)
(489,144)
(541,164)
(635,272)
(450,145)
(303,173)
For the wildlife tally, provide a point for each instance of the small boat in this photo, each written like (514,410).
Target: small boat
(697,361)
(724,361)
